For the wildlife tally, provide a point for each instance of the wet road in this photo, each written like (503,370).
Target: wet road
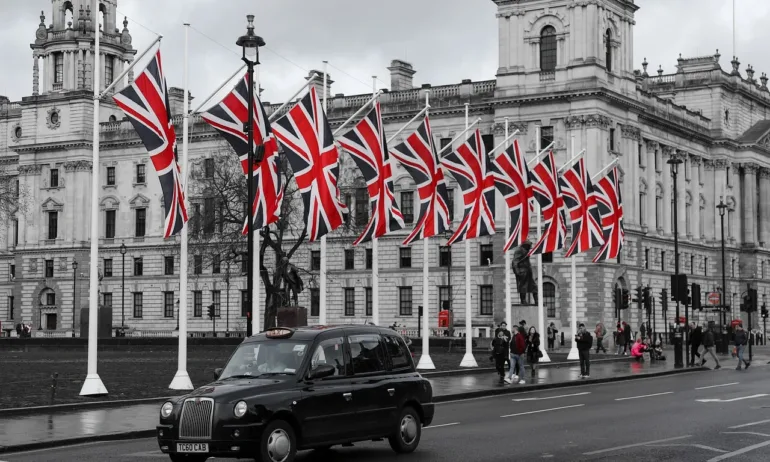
(701,416)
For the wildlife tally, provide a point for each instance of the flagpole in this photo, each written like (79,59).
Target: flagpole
(256,262)
(507,254)
(459,135)
(277,112)
(468,360)
(93,385)
(603,171)
(375,249)
(208,98)
(322,304)
(425,360)
(570,162)
(130,66)
(540,314)
(573,352)
(182,380)
(371,101)
(505,141)
(408,123)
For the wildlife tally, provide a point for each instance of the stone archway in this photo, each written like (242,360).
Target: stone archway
(47,307)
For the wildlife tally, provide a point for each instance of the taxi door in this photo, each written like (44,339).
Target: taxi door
(372,385)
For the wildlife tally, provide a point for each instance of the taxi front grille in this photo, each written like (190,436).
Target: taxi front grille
(196,419)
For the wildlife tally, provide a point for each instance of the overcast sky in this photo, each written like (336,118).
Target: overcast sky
(445,40)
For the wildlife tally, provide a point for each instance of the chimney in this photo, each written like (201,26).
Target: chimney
(401,73)
(176,100)
(316,79)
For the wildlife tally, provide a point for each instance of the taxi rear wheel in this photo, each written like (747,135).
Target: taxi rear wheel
(406,437)
(278,442)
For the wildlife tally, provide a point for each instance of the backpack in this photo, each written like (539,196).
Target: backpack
(499,346)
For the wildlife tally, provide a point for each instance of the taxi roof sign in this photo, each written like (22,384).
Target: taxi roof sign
(279,332)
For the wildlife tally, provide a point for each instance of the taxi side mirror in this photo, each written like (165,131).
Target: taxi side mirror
(217,373)
(320,372)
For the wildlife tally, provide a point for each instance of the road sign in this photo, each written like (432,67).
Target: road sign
(714,298)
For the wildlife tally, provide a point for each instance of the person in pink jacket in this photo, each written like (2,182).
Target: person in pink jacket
(637,351)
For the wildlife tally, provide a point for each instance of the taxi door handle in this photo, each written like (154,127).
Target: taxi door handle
(348,396)
(391,391)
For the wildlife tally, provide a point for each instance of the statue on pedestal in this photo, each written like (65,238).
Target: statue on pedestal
(522,269)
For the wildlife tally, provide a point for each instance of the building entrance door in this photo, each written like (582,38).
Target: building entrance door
(50,321)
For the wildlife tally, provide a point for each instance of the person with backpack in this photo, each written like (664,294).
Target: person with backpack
(552,331)
(518,351)
(600,332)
(500,347)
(741,339)
(584,343)
(708,347)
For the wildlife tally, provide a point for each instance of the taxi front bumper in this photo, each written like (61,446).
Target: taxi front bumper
(229,440)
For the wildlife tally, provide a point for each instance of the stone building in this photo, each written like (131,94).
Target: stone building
(566,66)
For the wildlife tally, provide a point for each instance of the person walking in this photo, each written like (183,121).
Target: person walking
(741,340)
(552,331)
(500,347)
(533,349)
(518,351)
(600,332)
(708,347)
(620,338)
(584,343)
(627,335)
(503,326)
(696,339)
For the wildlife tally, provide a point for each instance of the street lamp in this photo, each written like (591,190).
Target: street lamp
(123,286)
(250,44)
(177,314)
(722,207)
(74,293)
(674,161)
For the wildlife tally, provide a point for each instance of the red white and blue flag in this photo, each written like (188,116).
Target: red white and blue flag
(545,188)
(304,132)
(578,192)
(145,102)
(229,117)
(367,144)
(471,168)
(610,205)
(418,156)
(512,180)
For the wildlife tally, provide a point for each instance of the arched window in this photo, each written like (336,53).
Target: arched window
(102,15)
(608,50)
(68,14)
(549,298)
(548,49)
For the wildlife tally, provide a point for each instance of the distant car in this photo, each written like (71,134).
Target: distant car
(286,390)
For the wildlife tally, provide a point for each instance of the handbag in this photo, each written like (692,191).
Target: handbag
(539,354)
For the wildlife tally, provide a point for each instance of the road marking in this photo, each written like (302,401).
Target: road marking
(717,386)
(701,446)
(443,425)
(542,410)
(635,445)
(718,400)
(746,433)
(740,451)
(644,396)
(553,397)
(750,424)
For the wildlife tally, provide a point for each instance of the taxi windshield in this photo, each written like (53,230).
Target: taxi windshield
(269,357)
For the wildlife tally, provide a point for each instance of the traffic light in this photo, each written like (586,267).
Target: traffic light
(752,301)
(679,288)
(617,295)
(664,299)
(638,299)
(764,311)
(211,311)
(625,298)
(696,297)
(646,301)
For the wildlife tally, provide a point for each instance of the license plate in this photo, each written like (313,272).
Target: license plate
(192,447)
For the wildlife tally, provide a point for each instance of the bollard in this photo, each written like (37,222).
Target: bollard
(562,339)
(54,377)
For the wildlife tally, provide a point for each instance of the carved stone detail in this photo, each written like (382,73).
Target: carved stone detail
(669,151)
(695,160)
(588,121)
(34,169)
(651,145)
(78,166)
(750,168)
(33,265)
(499,128)
(53,118)
(721,164)
(764,173)
(631,132)
(708,164)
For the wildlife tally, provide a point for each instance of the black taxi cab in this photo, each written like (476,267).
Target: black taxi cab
(285,390)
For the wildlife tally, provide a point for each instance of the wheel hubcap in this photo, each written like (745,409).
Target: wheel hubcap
(408,429)
(278,445)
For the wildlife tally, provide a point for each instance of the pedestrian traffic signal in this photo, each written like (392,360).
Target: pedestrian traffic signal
(617,296)
(679,288)
(696,297)
(646,300)
(638,297)
(211,311)
(764,311)
(664,299)
(625,298)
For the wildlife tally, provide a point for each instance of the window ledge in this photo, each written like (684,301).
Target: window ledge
(51,188)
(109,186)
(140,184)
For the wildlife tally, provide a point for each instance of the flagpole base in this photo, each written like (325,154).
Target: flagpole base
(573,353)
(426,363)
(93,386)
(181,381)
(468,360)
(545,358)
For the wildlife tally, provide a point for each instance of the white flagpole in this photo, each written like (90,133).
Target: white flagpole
(468,360)
(322,304)
(257,260)
(93,384)
(182,380)
(203,103)
(393,136)
(507,254)
(425,360)
(573,352)
(375,251)
(540,313)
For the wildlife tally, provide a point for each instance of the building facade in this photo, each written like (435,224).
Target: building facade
(565,66)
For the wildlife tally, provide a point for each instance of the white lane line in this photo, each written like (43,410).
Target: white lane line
(644,396)
(740,451)
(718,400)
(746,433)
(749,424)
(553,397)
(542,410)
(635,445)
(701,446)
(442,425)
(717,386)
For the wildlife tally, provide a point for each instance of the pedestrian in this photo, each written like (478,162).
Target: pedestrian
(620,337)
(533,349)
(518,350)
(584,344)
(740,344)
(551,335)
(503,326)
(627,334)
(637,351)
(696,339)
(500,347)
(600,332)
(643,331)
(708,347)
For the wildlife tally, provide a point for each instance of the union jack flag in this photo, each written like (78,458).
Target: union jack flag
(229,118)
(304,132)
(418,156)
(470,166)
(578,195)
(545,189)
(512,180)
(610,205)
(145,102)
(366,143)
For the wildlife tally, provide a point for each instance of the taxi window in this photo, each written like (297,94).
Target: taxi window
(330,351)
(367,353)
(269,357)
(400,357)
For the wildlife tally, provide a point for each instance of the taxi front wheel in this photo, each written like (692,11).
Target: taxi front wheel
(278,443)
(407,435)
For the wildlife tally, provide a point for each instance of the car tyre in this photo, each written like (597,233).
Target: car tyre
(408,432)
(278,444)
(187,458)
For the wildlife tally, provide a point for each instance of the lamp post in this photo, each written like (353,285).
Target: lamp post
(177,314)
(722,207)
(674,161)
(250,44)
(123,286)
(74,293)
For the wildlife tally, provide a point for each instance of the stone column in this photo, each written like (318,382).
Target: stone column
(749,207)
(651,147)
(695,190)
(35,75)
(681,194)
(764,207)
(711,194)
(668,182)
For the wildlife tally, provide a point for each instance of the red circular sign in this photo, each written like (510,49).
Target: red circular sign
(714,298)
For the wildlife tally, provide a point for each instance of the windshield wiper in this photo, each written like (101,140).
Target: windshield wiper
(270,374)
(238,376)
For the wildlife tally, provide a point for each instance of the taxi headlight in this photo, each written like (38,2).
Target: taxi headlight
(240,409)
(166,409)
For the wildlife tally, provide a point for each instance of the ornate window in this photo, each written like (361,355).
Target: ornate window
(549,299)
(548,49)
(58,64)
